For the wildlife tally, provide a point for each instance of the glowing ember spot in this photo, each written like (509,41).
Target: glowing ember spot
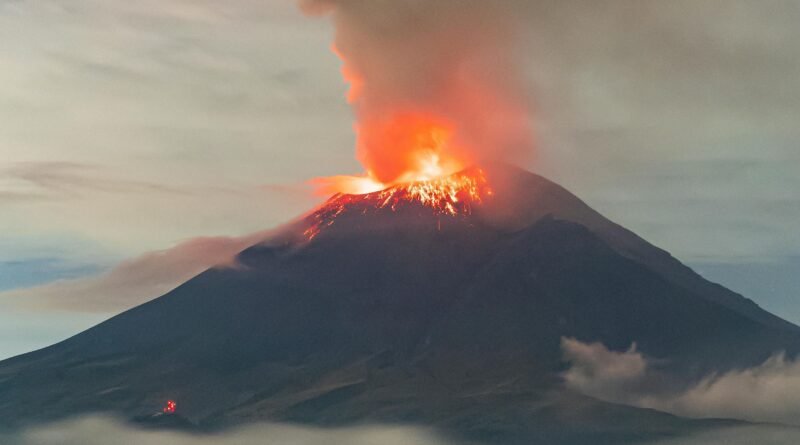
(169,408)
(453,195)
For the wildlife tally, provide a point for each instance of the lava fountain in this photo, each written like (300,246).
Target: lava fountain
(451,195)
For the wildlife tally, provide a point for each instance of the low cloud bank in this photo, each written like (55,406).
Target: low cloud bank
(101,430)
(134,281)
(105,431)
(769,392)
(760,435)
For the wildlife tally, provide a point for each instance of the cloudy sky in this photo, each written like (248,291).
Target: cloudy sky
(129,129)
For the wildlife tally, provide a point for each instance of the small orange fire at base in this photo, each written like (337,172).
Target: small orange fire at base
(453,195)
(170,407)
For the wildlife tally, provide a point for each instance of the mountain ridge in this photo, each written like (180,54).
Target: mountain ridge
(404,315)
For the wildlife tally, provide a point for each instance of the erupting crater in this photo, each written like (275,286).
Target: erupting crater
(451,195)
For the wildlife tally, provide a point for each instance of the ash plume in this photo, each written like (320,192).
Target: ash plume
(450,64)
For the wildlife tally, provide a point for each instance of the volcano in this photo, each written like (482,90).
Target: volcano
(384,308)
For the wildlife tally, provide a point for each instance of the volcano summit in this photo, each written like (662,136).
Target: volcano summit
(404,305)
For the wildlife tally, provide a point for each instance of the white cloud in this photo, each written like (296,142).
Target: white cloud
(107,431)
(769,392)
(594,362)
(100,430)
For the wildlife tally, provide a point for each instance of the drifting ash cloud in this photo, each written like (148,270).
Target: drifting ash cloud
(769,392)
(134,281)
(104,431)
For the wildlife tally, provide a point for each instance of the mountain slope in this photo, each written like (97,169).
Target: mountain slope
(525,198)
(405,315)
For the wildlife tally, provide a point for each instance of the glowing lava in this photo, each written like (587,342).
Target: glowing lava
(414,147)
(453,195)
(170,407)
(407,147)
(414,152)
(402,143)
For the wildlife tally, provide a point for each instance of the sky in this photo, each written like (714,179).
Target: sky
(130,129)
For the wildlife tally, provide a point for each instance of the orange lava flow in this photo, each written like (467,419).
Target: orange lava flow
(453,195)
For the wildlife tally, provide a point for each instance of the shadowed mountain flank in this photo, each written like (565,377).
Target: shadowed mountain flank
(407,315)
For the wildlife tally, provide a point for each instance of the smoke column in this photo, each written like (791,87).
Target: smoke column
(435,85)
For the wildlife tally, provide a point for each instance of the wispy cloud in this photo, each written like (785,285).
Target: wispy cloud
(32,271)
(97,430)
(766,393)
(139,124)
(133,281)
(100,430)
(8,196)
(59,179)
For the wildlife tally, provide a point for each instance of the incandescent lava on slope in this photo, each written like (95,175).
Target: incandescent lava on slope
(452,195)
